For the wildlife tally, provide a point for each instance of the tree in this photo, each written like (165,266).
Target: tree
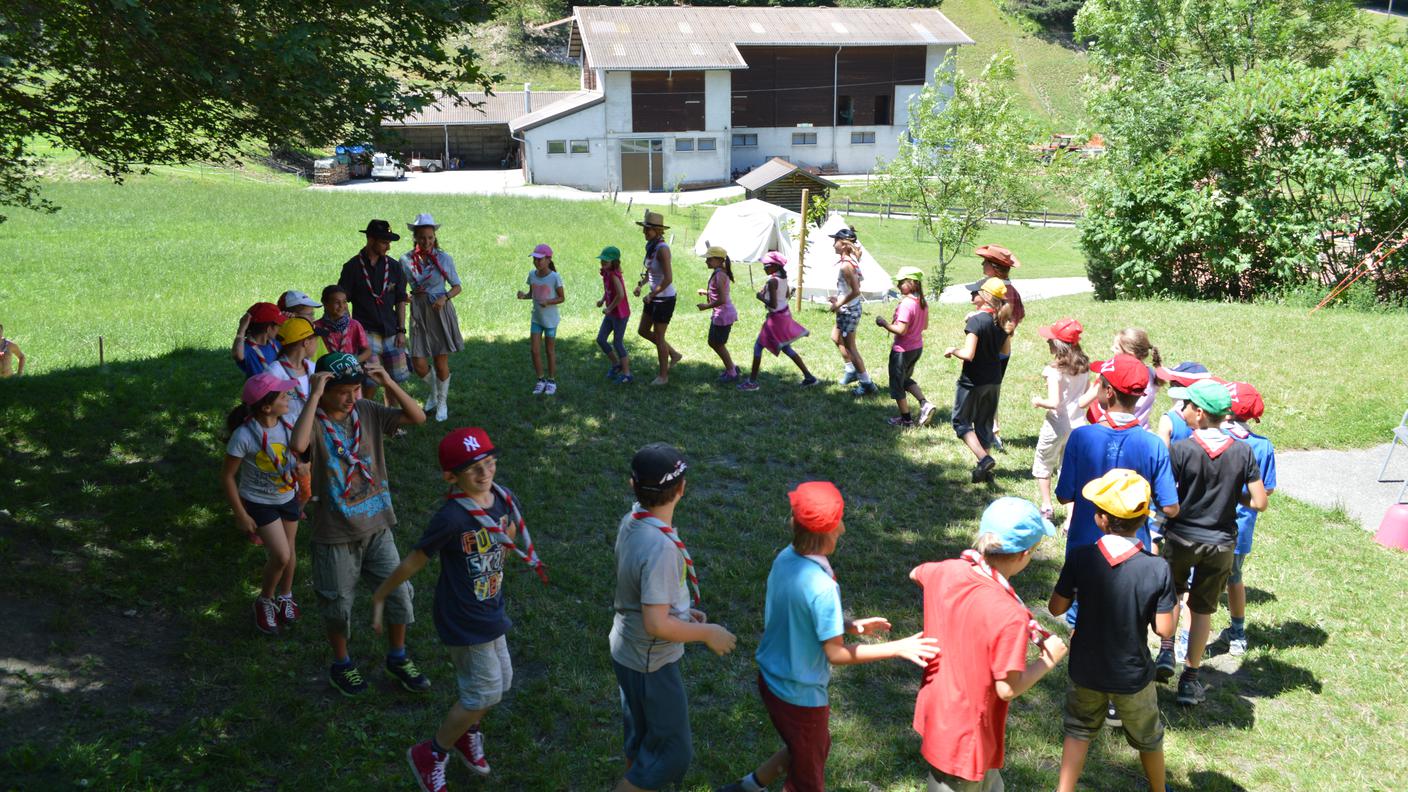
(1047,12)
(134,82)
(967,156)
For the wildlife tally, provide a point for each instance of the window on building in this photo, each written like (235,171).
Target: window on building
(684,144)
(706,144)
(804,138)
(862,137)
(882,111)
(845,111)
(557,147)
(581,147)
(745,141)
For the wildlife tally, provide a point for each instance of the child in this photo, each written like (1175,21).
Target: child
(658,304)
(295,303)
(264,500)
(804,636)
(1130,341)
(998,262)
(255,349)
(1066,379)
(717,297)
(615,309)
(654,621)
(1173,425)
(980,384)
(10,351)
(779,330)
(1214,472)
(1126,591)
(983,630)
(352,515)
(469,534)
(339,331)
(908,325)
(435,326)
(296,344)
(545,290)
(846,304)
(1247,406)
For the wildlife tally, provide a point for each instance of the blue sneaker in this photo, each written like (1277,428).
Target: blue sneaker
(865,389)
(847,377)
(625,379)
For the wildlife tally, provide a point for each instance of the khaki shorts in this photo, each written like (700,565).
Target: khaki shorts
(336,569)
(483,673)
(1211,566)
(940,781)
(1143,726)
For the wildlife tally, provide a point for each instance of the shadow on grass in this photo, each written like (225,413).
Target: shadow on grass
(1213,781)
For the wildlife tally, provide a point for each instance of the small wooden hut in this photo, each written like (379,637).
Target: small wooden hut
(780,183)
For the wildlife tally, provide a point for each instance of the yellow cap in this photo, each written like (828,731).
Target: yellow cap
(1123,493)
(294,329)
(995,287)
(715,251)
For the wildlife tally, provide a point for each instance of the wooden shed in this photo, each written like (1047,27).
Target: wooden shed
(780,183)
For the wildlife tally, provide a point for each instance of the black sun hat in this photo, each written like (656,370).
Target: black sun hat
(380,229)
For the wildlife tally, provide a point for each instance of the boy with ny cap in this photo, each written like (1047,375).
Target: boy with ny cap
(803,636)
(654,582)
(1247,406)
(1126,591)
(1214,473)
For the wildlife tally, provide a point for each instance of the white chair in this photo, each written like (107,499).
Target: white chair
(1400,435)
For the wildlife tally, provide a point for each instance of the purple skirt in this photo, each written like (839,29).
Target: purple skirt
(779,330)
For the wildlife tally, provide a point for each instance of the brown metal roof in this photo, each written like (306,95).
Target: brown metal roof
(646,38)
(500,108)
(563,107)
(772,170)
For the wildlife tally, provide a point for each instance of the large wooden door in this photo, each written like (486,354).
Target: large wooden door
(642,164)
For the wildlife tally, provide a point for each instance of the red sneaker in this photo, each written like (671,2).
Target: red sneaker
(470,748)
(428,766)
(288,610)
(266,616)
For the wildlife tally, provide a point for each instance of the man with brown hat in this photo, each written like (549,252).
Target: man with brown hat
(376,286)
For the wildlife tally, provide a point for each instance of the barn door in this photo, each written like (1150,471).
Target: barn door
(642,164)
(657,165)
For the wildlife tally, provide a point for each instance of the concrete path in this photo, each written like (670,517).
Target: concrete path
(510,182)
(1030,289)
(1343,479)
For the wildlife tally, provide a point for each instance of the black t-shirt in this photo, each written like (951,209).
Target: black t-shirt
(984,368)
(1117,607)
(469,597)
(375,318)
(1209,490)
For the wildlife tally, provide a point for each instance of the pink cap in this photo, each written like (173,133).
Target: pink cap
(542,251)
(263,384)
(773,258)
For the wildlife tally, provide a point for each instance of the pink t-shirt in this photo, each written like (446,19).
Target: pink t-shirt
(915,318)
(352,340)
(613,283)
(719,289)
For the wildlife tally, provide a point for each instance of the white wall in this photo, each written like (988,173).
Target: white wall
(617,86)
(849,157)
(584,171)
(718,99)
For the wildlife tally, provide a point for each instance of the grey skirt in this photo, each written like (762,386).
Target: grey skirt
(434,332)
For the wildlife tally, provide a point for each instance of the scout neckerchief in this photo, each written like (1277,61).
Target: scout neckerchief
(339,325)
(1118,549)
(283,465)
(417,257)
(4,347)
(1233,428)
(530,557)
(355,463)
(1213,441)
(823,562)
(367,277)
(258,353)
(302,394)
(641,515)
(1119,427)
(1035,631)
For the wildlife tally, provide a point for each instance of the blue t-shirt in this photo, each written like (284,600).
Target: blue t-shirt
(803,611)
(1266,460)
(1096,449)
(469,597)
(252,363)
(1181,431)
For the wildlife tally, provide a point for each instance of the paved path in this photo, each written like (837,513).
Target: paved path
(510,182)
(1342,479)
(1030,289)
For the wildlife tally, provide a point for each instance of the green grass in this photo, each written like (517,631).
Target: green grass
(111,506)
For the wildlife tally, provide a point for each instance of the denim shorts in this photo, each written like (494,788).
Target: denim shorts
(547,332)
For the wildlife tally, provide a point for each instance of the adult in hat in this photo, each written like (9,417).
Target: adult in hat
(659,301)
(986,338)
(376,287)
(846,304)
(435,327)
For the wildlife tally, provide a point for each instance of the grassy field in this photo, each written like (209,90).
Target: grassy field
(131,663)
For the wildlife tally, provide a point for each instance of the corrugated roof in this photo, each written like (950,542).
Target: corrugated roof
(500,108)
(772,170)
(647,38)
(573,103)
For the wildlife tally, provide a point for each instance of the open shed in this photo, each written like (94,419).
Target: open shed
(471,135)
(780,182)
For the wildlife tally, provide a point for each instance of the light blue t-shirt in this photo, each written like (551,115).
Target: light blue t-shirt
(803,611)
(1266,460)
(544,288)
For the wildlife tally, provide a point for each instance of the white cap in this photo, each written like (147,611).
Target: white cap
(297,299)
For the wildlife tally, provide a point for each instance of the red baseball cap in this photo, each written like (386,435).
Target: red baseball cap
(463,447)
(1125,373)
(1066,330)
(817,506)
(1246,402)
(264,312)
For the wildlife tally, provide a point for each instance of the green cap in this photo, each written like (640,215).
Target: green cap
(1211,397)
(909,273)
(610,253)
(344,368)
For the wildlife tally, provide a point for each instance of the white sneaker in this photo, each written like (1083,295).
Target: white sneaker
(540,386)
(926,412)
(550,388)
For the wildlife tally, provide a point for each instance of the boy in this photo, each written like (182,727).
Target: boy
(1214,472)
(985,341)
(468,533)
(9,351)
(296,303)
(653,622)
(1126,590)
(352,515)
(1173,425)
(803,636)
(1246,406)
(255,347)
(998,262)
(983,630)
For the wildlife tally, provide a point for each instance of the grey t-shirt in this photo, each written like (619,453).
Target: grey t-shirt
(260,481)
(650,570)
(349,509)
(543,289)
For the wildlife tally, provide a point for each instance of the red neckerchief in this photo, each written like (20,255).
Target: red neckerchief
(355,463)
(302,394)
(1110,419)
(367,277)
(283,465)
(1216,446)
(258,353)
(1236,431)
(641,515)
(1035,631)
(417,257)
(1118,549)
(530,556)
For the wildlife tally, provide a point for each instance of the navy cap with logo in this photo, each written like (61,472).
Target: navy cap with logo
(657,467)
(847,234)
(344,368)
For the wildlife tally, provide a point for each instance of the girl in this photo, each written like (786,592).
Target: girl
(1130,341)
(435,327)
(254,349)
(717,296)
(296,345)
(545,290)
(846,305)
(659,301)
(339,331)
(986,338)
(779,329)
(1066,380)
(911,319)
(264,499)
(615,309)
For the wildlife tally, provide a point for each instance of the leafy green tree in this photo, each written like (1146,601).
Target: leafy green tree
(1047,12)
(134,82)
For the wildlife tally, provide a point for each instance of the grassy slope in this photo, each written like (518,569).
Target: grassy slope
(111,484)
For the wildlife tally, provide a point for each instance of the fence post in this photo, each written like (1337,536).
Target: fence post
(802,250)
(629,204)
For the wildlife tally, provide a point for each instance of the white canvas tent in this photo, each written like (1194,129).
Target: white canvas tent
(749,229)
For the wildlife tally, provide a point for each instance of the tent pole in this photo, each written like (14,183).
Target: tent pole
(802,248)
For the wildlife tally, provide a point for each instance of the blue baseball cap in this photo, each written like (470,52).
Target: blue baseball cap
(1017,522)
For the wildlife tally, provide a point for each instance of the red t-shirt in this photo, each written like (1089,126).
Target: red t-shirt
(982,634)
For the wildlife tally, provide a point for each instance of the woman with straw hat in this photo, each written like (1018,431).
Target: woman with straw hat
(659,300)
(435,327)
